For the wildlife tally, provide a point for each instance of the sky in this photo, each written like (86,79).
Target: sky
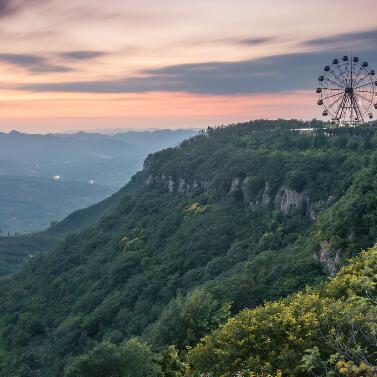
(141,64)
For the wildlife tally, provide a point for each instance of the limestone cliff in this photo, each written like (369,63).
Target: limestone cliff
(284,198)
(329,259)
(287,199)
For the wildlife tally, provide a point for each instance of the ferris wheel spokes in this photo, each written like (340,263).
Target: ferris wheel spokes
(347,91)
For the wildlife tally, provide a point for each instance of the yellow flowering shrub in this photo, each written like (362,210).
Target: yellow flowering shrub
(196,208)
(332,327)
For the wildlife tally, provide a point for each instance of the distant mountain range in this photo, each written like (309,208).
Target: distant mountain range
(108,160)
(43,178)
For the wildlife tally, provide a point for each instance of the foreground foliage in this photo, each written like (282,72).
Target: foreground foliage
(329,331)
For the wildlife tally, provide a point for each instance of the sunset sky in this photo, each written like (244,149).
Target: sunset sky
(94,64)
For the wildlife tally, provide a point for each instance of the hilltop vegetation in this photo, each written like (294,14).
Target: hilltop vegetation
(231,218)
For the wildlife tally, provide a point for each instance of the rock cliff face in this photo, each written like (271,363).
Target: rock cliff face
(315,208)
(329,259)
(266,198)
(287,199)
(176,184)
(236,184)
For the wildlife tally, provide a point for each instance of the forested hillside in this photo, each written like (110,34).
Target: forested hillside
(16,250)
(326,331)
(232,217)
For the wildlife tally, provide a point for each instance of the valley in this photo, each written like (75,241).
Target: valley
(43,178)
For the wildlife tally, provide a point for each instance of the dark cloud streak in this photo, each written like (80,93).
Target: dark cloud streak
(271,74)
(44,64)
(5,7)
(231,41)
(289,72)
(10,7)
(33,63)
(257,41)
(82,55)
(351,40)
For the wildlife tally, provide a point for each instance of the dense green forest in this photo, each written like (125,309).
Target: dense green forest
(229,219)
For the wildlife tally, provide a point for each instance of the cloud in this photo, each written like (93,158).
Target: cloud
(273,74)
(33,63)
(356,41)
(230,41)
(82,55)
(9,7)
(257,41)
(5,7)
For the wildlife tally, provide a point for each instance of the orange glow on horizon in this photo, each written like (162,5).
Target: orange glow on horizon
(62,111)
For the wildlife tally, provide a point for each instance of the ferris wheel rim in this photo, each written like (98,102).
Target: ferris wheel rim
(347,91)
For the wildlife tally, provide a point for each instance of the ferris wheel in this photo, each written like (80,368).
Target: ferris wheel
(347,91)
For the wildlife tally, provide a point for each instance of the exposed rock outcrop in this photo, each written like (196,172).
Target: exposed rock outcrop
(178,184)
(329,259)
(236,184)
(284,200)
(183,186)
(170,184)
(314,209)
(266,196)
(287,199)
(150,180)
